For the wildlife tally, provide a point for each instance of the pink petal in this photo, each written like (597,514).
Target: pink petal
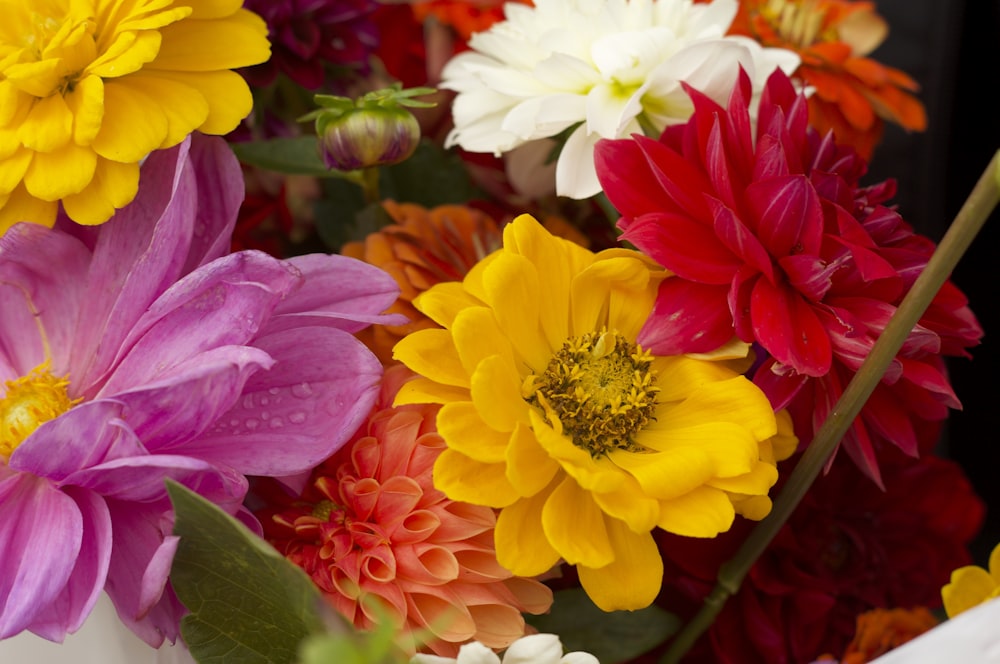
(68,611)
(220,186)
(220,304)
(341,292)
(687,318)
(33,296)
(140,562)
(41,530)
(190,397)
(138,254)
(788,328)
(300,411)
(781,387)
(88,434)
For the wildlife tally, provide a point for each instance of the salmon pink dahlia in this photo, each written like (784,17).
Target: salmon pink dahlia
(378,539)
(773,239)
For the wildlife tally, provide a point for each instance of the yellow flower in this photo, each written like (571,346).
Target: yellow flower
(972,585)
(584,440)
(88,88)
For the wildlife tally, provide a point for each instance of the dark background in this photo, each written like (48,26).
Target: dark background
(952,47)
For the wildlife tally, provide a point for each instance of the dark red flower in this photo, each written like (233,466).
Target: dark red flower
(848,548)
(308,36)
(773,239)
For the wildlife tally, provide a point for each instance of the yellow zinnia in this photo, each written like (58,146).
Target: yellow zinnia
(971,586)
(88,88)
(585,441)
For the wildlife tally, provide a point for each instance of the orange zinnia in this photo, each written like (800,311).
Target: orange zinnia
(462,16)
(854,94)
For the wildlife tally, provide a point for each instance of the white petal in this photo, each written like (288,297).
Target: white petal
(534,649)
(576,176)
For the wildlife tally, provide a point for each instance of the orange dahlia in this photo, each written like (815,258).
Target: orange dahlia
(882,630)
(854,94)
(382,543)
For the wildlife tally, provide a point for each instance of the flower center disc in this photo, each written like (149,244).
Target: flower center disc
(28,402)
(601,389)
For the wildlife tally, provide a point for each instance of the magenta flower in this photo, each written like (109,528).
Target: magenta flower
(308,36)
(772,239)
(137,351)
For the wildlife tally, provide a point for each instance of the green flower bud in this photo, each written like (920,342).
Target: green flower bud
(365,137)
(373,130)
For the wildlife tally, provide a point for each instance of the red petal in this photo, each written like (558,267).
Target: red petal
(684,246)
(788,328)
(626,178)
(740,239)
(788,215)
(687,318)
(684,183)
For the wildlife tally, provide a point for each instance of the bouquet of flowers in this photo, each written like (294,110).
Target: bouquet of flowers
(563,331)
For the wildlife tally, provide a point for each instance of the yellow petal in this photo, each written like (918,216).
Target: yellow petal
(705,512)
(529,467)
(55,175)
(615,292)
(598,475)
(431,353)
(994,564)
(574,526)
(496,391)
(754,508)
(49,125)
(189,111)
(729,448)
(521,544)
(38,79)
(633,580)
(133,125)
(513,290)
(126,54)
(970,586)
(228,97)
(630,504)
(86,102)
(13,102)
(470,481)
(557,261)
(216,8)
(679,375)
(13,169)
(231,42)
(424,390)
(22,206)
(757,482)
(442,302)
(667,474)
(113,187)
(464,431)
(477,336)
(736,400)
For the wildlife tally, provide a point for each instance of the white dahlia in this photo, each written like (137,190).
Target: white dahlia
(598,68)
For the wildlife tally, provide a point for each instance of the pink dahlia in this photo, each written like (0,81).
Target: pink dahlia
(310,36)
(772,239)
(138,351)
(379,540)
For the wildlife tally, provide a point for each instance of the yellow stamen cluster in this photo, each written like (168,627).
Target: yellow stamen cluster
(29,402)
(601,389)
(797,21)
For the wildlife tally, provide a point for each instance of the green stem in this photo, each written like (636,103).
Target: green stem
(970,219)
(369,184)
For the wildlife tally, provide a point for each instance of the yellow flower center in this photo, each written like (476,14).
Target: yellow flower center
(797,21)
(601,388)
(28,402)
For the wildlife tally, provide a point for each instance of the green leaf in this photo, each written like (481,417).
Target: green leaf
(610,637)
(248,604)
(296,156)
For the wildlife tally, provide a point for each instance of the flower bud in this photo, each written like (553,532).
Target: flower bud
(373,130)
(366,137)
